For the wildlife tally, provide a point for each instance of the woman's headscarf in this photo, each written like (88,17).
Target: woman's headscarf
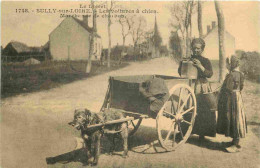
(234,62)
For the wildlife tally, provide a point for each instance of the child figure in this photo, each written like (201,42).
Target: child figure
(231,117)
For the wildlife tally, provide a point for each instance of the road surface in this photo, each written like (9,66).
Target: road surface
(34,126)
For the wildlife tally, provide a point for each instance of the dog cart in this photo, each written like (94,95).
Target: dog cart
(176,116)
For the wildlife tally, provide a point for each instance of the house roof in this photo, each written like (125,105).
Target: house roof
(212,30)
(86,27)
(46,45)
(36,49)
(19,47)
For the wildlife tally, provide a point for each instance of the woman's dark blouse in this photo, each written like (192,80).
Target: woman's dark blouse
(202,75)
(234,81)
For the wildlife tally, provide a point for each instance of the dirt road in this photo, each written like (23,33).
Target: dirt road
(34,126)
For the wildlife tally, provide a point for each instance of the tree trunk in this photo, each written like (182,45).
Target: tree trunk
(183,47)
(221,36)
(200,19)
(91,47)
(123,51)
(124,43)
(135,44)
(91,43)
(190,24)
(187,43)
(188,28)
(109,40)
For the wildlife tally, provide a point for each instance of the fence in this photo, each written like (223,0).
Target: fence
(21,58)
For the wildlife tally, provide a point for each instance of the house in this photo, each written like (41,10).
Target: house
(127,52)
(17,51)
(212,44)
(70,40)
(15,48)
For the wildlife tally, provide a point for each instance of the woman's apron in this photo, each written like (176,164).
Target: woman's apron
(206,119)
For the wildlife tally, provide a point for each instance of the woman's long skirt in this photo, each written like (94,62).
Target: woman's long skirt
(206,119)
(232,118)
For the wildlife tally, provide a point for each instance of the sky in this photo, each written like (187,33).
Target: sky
(242,20)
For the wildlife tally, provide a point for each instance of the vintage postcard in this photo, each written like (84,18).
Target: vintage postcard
(130,84)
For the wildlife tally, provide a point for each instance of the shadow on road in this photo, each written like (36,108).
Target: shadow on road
(140,142)
(147,135)
(207,143)
(78,155)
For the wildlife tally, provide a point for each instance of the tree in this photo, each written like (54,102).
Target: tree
(137,30)
(188,25)
(249,64)
(125,30)
(175,45)
(110,6)
(181,14)
(92,37)
(221,37)
(200,19)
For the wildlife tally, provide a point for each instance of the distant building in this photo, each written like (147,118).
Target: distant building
(15,48)
(152,44)
(17,51)
(212,44)
(164,50)
(71,40)
(125,52)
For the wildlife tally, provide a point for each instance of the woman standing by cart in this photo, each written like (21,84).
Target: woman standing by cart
(205,122)
(232,119)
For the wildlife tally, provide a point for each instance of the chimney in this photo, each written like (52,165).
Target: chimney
(213,24)
(85,19)
(208,28)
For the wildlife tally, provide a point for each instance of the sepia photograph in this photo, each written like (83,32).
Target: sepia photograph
(130,84)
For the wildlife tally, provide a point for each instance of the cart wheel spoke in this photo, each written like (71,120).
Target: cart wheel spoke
(173,110)
(170,130)
(187,122)
(169,114)
(180,130)
(174,135)
(179,109)
(184,103)
(189,110)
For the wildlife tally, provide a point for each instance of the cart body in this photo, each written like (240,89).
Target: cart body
(175,118)
(124,91)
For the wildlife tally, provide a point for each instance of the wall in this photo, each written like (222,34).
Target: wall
(69,41)
(212,45)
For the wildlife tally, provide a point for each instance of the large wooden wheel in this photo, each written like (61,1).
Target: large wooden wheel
(133,126)
(176,118)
